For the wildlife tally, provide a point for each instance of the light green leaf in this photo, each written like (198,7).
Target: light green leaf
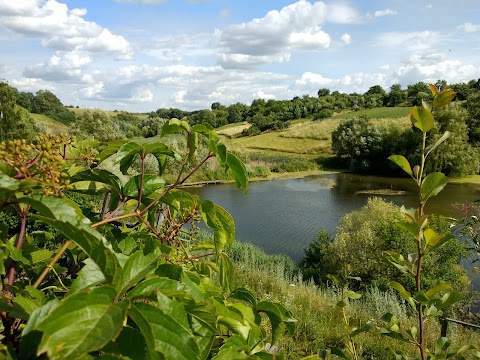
(433,184)
(244,295)
(433,146)
(367,327)
(449,299)
(239,172)
(89,275)
(137,267)
(402,163)
(226,273)
(443,98)
(431,237)
(421,118)
(151,183)
(352,294)
(81,323)
(441,286)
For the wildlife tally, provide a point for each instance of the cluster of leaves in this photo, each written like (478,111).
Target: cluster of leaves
(129,282)
(434,301)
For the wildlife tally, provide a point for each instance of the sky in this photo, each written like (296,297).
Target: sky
(141,55)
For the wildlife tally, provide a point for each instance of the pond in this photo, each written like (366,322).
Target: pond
(284,216)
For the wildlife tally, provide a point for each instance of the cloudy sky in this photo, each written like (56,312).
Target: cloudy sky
(140,55)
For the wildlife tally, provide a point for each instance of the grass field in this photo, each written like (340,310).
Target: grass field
(52,126)
(79,112)
(232,130)
(376,113)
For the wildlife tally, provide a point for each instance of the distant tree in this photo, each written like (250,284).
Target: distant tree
(236,113)
(396,95)
(323,92)
(441,84)
(418,92)
(215,105)
(98,124)
(376,89)
(472,105)
(15,121)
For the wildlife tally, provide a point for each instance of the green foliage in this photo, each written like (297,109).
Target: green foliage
(15,121)
(439,297)
(137,276)
(45,102)
(98,124)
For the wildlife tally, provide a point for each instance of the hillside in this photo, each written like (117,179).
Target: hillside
(79,112)
(53,126)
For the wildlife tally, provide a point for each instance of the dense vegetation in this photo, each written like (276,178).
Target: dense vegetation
(98,239)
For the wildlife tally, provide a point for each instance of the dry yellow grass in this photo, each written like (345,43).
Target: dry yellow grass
(231,131)
(53,126)
(79,112)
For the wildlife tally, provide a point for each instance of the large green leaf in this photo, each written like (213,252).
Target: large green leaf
(175,126)
(163,333)
(433,146)
(64,215)
(110,149)
(401,162)
(421,118)
(239,171)
(129,345)
(433,184)
(136,267)
(151,183)
(89,275)
(9,186)
(99,175)
(280,318)
(443,98)
(82,323)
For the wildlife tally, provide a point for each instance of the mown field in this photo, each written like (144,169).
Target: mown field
(308,136)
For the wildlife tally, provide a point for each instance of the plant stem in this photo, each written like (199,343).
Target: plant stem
(21,237)
(142,178)
(52,263)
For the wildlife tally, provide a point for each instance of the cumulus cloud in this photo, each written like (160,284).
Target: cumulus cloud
(60,28)
(61,67)
(385,12)
(469,27)
(274,37)
(346,38)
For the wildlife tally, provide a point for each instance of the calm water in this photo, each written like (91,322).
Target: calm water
(284,216)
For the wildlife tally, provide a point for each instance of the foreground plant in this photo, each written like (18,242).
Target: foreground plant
(432,302)
(129,282)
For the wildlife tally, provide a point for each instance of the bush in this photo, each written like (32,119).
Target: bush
(361,238)
(323,114)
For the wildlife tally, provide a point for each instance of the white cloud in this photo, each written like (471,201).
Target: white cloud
(385,12)
(416,40)
(61,67)
(346,38)
(469,27)
(60,28)
(274,37)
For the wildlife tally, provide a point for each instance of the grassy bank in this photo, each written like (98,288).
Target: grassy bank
(319,322)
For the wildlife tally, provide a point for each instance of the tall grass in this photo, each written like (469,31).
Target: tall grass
(319,321)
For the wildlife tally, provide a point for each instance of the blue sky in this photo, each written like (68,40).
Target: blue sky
(140,55)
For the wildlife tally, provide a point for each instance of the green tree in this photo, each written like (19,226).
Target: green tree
(15,121)
(323,92)
(396,95)
(97,124)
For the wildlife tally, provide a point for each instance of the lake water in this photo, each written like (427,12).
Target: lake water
(284,216)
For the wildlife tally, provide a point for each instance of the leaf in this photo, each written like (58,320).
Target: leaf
(280,318)
(335,279)
(64,215)
(192,145)
(411,227)
(433,146)
(431,237)
(81,323)
(403,293)
(402,162)
(110,149)
(175,126)
(421,118)
(367,327)
(443,98)
(433,184)
(239,172)
(89,275)
(244,295)
(151,183)
(226,273)
(441,286)
(98,175)
(352,294)
(163,333)
(130,344)
(449,299)
(340,353)
(137,267)
(434,89)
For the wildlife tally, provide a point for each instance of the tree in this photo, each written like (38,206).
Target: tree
(359,141)
(97,124)
(323,92)
(396,95)
(15,121)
